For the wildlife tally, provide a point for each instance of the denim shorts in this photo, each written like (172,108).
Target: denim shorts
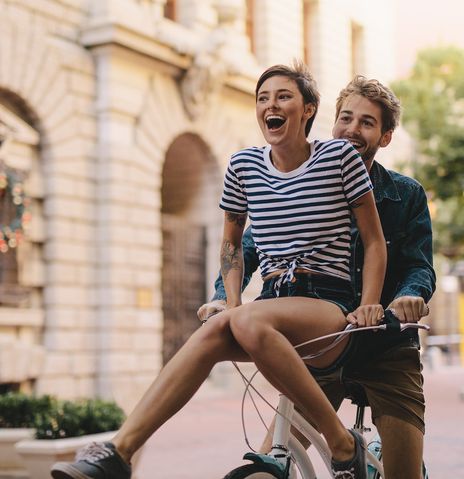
(329,288)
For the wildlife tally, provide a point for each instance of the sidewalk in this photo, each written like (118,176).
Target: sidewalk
(205,440)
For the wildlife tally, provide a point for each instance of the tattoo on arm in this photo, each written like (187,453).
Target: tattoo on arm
(356,204)
(238,219)
(229,258)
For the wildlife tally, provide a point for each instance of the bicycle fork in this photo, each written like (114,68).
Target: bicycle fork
(285,447)
(374,448)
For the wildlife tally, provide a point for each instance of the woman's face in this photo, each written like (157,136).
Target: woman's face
(281,112)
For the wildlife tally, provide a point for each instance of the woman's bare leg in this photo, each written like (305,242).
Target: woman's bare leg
(177,382)
(267,329)
(256,331)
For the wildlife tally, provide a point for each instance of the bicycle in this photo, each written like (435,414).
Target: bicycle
(288,455)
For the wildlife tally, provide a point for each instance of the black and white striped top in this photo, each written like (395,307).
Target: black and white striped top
(302,218)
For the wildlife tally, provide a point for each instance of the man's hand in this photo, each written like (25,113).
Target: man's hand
(409,309)
(209,309)
(366,315)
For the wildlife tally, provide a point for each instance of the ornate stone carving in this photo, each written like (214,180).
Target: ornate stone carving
(209,65)
(204,77)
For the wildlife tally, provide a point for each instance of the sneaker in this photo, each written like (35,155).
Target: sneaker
(355,468)
(95,461)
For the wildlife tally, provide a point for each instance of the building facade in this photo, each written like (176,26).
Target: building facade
(117,119)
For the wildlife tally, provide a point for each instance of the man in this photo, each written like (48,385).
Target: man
(386,365)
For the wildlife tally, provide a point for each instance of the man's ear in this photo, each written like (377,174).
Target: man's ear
(386,138)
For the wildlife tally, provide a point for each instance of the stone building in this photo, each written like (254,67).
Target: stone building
(117,118)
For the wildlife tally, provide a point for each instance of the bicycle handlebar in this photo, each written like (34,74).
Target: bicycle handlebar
(390,323)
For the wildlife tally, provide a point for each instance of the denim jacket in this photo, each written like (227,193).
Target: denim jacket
(403,211)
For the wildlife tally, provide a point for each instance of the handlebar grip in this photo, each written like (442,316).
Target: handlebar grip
(391,321)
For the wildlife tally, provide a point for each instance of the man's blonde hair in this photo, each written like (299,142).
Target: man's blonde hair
(374,91)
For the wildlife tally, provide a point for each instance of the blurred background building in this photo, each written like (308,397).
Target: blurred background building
(117,119)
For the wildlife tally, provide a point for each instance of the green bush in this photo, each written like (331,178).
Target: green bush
(22,410)
(78,418)
(55,419)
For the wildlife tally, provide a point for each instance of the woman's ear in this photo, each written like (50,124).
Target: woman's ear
(310,109)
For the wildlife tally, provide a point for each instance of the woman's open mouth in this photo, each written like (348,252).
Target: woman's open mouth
(274,122)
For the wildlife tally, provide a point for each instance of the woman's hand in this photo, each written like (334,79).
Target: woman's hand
(366,315)
(210,309)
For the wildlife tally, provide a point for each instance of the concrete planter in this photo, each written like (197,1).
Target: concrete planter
(38,455)
(10,461)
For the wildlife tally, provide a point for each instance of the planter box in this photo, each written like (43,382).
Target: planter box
(9,458)
(39,455)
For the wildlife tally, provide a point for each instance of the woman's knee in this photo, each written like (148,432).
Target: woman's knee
(248,329)
(215,335)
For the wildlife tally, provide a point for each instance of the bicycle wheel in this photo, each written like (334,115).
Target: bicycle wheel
(257,471)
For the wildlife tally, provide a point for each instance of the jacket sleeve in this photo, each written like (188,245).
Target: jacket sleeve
(416,252)
(251,263)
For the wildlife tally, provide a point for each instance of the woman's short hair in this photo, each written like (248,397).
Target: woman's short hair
(374,91)
(299,73)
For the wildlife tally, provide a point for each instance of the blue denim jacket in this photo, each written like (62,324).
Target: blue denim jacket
(402,206)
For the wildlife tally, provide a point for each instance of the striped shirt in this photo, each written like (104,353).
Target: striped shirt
(302,218)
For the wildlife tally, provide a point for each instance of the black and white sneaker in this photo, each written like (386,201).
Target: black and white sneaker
(95,461)
(355,468)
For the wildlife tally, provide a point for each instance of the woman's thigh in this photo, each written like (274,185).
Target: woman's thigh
(299,319)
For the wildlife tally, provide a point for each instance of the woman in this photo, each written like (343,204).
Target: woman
(300,197)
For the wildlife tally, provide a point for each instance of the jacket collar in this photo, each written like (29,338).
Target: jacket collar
(384,185)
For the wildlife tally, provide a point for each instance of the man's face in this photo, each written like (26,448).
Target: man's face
(360,122)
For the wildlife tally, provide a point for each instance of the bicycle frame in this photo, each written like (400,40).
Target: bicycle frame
(287,417)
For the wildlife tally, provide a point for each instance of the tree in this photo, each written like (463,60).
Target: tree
(433,112)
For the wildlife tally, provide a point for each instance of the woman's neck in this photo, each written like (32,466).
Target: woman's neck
(289,158)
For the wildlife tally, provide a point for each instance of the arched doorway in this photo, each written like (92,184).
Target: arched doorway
(191,185)
(22,237)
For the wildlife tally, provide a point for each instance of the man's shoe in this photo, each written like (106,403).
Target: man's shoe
(355,468)
(95,461)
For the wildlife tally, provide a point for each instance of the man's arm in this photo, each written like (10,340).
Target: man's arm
(415,260)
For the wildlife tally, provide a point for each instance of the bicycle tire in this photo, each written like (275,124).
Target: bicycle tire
(256,471)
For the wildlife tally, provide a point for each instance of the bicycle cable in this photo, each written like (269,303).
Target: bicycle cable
(350,328)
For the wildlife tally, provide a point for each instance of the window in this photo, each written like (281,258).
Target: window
(357,57)
(21,208)
(170,10)
(249,23)
(11,217)
(310,15)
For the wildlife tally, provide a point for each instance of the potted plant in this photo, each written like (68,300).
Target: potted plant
(18,416)
(68,426)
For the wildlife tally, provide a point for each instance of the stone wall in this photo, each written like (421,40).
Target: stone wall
(109,87)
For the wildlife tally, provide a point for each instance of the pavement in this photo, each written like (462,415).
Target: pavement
(205,440)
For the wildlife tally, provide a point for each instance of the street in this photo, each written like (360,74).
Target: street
(205,440)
